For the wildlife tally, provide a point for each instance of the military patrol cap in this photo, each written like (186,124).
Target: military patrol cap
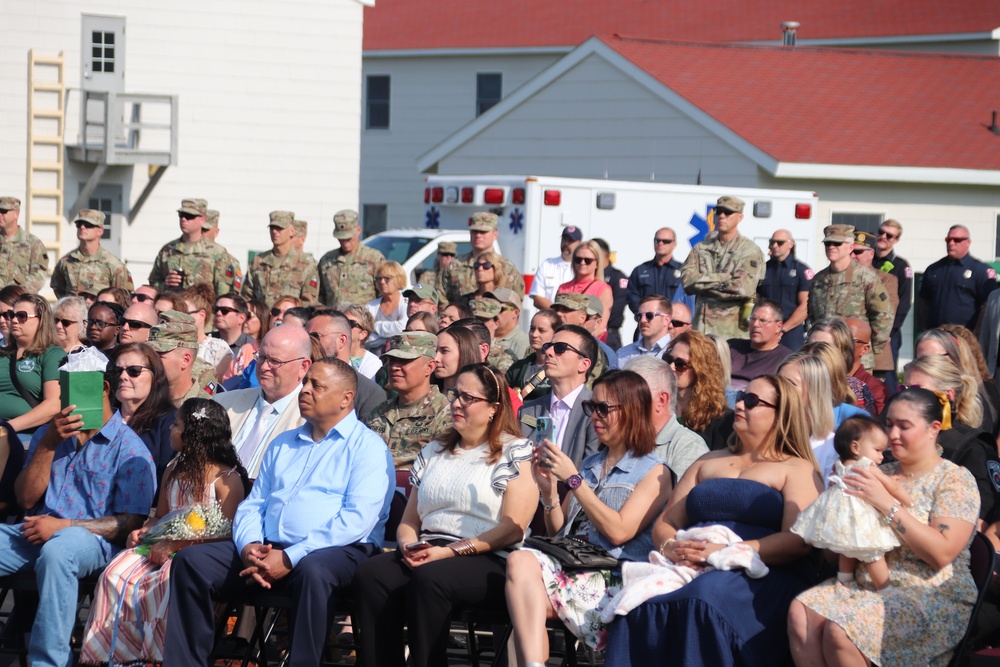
(447,248)
(411,345)
(573,233)
(345,224)
(571,301)
(483,222)
(865,240)
(90,216)
(730,203)
(505,296)
(594,306)
(10,204)
(487,309)
(282,219)
(423,293)
(301,227)
(176,329)
(838,234)
(193,206)
(211,220)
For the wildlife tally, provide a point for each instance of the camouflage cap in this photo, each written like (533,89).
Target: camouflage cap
(594,306)
(838,234)
(571,301)
(345,224)
(865,240)
(505,296)
(176,329)
(412,344)
(301,227)
(730,203)
(282,219)
(90,216)
(211,220)
(447,248)
(483,221)
(486,309)
(193,206)
(10,204)
(422,293)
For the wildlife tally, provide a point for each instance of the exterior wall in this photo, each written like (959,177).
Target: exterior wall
(269,110)
(594,122)
(430,98)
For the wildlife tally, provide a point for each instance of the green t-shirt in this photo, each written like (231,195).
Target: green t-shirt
(32,373)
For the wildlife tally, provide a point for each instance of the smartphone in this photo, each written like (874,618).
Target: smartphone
(543,429)
(418,546)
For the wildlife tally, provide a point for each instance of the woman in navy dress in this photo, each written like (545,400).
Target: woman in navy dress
(756,488)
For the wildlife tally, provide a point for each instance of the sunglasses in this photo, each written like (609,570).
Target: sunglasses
(464,399)
(663,241)
(777,242)
(278,311)
(751,401)
(137,324)
(356,325)
(602,409)
(483,265)
(225,310)
(891,237)
(677,324)
(187,216)
(132,371)
(21,316)
(680,365)
(649,315)
(81,223)
(956,239)
(141,298)
(835,244)
(560,348)
(66,323)
(861,251)
(584,260)
(100,325)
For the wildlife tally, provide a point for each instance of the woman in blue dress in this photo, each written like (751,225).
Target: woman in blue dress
(756,488)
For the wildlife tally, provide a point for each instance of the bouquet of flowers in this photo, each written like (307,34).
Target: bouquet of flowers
(193,522)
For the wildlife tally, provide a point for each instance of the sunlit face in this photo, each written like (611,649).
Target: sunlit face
(681,354)
(836,250)
(475,417)
(753,424)
(911,437)
(103,327)
(448,316)
(68,330)
(133,388)
(541,332)
(872,445)
(24,332)
(608,428)
(584,263)
(447,356)
(727,221)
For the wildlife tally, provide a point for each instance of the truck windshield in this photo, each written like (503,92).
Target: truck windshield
(397,248)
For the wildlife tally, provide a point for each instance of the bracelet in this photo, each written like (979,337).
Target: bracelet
(892,513)
(665,545)
(547,508)
(464,548)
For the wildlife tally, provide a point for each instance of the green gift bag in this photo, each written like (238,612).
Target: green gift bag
(85,390)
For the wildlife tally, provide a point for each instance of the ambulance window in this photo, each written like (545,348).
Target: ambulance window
(489,91)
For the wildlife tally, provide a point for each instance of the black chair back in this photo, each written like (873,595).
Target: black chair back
(981,564)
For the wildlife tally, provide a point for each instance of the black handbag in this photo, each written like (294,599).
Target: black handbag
(573,553)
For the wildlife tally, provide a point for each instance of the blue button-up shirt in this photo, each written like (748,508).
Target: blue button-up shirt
(637,350)
(113,473)
(312,495)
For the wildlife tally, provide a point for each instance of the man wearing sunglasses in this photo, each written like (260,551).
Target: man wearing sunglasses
(89,268)
(282,270)
(886,259)
(459,278)
(138,320)
(347,274)
(864,254)
(653,316)
(722,272)
(955,288)
(660,275)
(229,314)
(193,258)
(23,260)
(847,289)
(787,281)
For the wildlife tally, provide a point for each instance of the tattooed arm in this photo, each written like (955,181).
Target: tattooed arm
(115,528)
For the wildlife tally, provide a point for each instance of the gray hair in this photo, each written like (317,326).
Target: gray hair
(657,375)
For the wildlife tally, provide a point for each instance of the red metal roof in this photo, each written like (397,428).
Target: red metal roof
(433,24)
(837,106)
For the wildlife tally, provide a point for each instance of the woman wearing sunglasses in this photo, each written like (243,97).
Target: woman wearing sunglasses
(488,276)
(473,496)
(614,498)
(141,392)
(29,365)
(701,394)
(282,305)
(588,278)
(69,313)
(756,488)
(388,310)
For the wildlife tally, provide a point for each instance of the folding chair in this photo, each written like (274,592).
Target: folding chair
(981,564)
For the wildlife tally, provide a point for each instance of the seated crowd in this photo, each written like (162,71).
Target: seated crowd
(759,503)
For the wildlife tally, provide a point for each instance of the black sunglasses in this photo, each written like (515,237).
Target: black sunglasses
(82,223)
(483,265)
(276,311)
(836,244)
(188,216)
(602,409)
(777,242)
(138,324)
(891,237)
(663,241)
(860,251)
(680,365)
(141,298)
(225,310)
(678,324)
(66,323)
(132,371)
(21,316)
(751,401)
(560,348)
(584,260)
(649,315)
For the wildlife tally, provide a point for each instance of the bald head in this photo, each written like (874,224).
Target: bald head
(138,312)
(861,332)
(293,340)
(680,321)
(781,244)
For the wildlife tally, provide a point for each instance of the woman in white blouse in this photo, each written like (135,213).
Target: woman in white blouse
(473,496)
(389,310)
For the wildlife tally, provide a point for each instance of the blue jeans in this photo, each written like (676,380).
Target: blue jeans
(71,554)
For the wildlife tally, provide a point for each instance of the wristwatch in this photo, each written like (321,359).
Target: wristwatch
(574,481)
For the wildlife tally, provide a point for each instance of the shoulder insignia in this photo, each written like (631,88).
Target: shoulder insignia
(529,421)
(909,272)
(622,283)
(993,467)
(210,388)
(229,271)
(238,281)
(809,274)
(314,281)
(990,273)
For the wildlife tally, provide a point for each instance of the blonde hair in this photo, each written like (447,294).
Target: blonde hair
(895,225)
(499,276)
(815,391)
(789,438)
(968,407)
(835,363)
(395,271)
(598,255)
(725,358)
(362,316)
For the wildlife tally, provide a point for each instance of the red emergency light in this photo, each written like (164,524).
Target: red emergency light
(437,195)
(493,196)
(552,197)
(467,195)
(803,211)
(427,195)
(517,196)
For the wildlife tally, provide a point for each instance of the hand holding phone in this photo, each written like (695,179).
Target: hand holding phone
(543,429)
(418,546)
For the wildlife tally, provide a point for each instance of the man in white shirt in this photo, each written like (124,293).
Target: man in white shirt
(259,414)
(555,271)
(653,316)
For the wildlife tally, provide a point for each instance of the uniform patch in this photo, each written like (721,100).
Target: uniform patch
(238,281)
(883,296)
(909,272)
(792,273)
(967,274)
(993,467)
(26,365)
(230,271)
(210,388)
(677,273)
(622,283)
(809,274)
(991,274)
(314,281)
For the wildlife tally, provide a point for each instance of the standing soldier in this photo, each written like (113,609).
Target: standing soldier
(23,260)
(445,255)
(459,278)
(299,240)
(347,274)
(723,272)
(886,260)
(786,282)
(211,230)
(282,270)
(847,289)
(193,258)
(864,254)
(90,268)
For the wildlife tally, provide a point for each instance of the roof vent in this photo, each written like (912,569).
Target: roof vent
(788,29)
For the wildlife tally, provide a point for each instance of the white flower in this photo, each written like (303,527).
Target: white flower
(201,414)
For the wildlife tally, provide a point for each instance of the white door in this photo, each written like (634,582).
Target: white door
(102,64)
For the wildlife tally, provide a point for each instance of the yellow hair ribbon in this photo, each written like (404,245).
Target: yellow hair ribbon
(945,410)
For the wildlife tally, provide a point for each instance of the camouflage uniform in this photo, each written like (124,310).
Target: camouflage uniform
(271,277)
(855,292)
(722,276)
(76,273)
(23,261)
(233,265)
(459,278)
(508,349)
(175,330)
(203,261)
(348,279)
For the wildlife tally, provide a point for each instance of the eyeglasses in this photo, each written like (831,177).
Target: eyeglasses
(132,371)
(482,265)
(663,241)
(680,365)
(751,401)
(722,211)
(584,260)
(187,216)
(137,324)
(649,315)
(225,310)
(66,323)
(956,239)
(758,320)
(602,409)
(861,251)
(677,324)
(141,298)
(560,348)
(835,244)
(777,242)
(100,325)
(891,237)
(274,363)
(464,399)
(383,279)
(21,316)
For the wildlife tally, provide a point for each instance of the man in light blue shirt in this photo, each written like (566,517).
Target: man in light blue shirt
(317,509)
(653,316)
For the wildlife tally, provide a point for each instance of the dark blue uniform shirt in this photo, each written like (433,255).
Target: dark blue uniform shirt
(956,290)
(648,278)
(782,283)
